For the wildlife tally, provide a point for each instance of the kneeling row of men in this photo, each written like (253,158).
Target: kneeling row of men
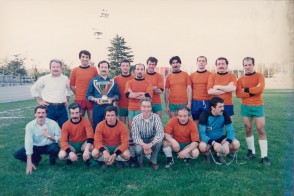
(110,141)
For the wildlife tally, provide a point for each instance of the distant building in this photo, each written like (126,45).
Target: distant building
(163,70)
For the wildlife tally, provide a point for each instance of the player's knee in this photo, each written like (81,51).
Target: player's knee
(195,153)
(261,131)
(165,143)
(61,155)
(175,146)
(126,155)
(235,145)
(95,153)
(203,147)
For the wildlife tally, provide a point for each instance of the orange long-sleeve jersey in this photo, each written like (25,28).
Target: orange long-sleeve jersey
(199,85)
(223,79)
(121,81)
(182,133)
(157,80)
(116,135)
(177,84)
(250,88)
(80,78)
(76,132)
(138,85)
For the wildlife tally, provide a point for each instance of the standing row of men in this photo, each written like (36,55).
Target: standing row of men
(128,91)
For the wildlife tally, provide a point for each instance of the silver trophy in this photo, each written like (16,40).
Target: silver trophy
(103,87)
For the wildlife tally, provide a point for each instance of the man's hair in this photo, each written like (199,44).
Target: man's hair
(222,58)
(124,61)
(140,64)
(75,105)
(110,109)
(85,52)
(201,57)
(215,100)
(152,59)
(40,107)
(184,108)
(249,58)
(101,62)
(148,99)
(55,61)
(175,58)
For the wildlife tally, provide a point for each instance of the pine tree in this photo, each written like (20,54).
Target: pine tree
(118,51)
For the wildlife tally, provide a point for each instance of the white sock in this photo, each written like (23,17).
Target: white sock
(101,158)
(263,148)
(250,143)
(119,158)
(189,156)
(167,151)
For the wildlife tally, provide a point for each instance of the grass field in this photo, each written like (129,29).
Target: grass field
(250,178)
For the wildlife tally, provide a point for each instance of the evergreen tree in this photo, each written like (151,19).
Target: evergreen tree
(117,52)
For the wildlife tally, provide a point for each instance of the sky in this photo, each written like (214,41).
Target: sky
(41,30)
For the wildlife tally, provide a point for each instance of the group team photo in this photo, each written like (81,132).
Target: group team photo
(118,120)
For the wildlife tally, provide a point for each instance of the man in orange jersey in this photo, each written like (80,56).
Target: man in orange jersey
(223,84)
(111,140)
(79,81)
(250,88)
(136,89)
(181,136)
(121,81)
(77,136)
(101,87)
(200,97)
(157,85)
(178,90)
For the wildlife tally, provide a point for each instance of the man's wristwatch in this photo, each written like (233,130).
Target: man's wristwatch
(49,137)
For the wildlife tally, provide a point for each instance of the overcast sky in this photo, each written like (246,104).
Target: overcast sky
(46,29)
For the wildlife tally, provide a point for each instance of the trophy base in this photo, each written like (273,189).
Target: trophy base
(105,101)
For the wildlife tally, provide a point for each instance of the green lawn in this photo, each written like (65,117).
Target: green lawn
(250,178)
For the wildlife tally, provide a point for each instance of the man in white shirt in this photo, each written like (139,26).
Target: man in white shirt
(53,91)
(41,137)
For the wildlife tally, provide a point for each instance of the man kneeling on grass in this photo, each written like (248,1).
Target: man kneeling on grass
(111,140)
(181,136)
(76,136)
(41,137)
(211,129)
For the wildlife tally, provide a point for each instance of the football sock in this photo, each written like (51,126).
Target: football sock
(167,151)
(250,143)
(263,148)
(119,158)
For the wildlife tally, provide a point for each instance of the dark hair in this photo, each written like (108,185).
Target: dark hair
(222,58)
(202,57)
(140,64)
(55,61)
(152,59)
(215,100)
(85,52)
(175,58)
(40,107)
(184,108)
(101,62)
(75,105)
(110,109)
(124,61)
(249,58)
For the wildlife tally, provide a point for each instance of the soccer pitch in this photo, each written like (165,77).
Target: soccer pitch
(250,178)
